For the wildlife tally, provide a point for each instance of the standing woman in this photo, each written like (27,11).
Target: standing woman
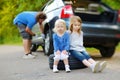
(77,49)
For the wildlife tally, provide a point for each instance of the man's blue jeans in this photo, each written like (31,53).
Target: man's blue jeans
(80,55)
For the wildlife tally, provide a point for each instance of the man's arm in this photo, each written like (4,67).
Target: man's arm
(29,31)
(41,28)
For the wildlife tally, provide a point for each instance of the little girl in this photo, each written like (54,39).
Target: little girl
(61,45)
(77,49)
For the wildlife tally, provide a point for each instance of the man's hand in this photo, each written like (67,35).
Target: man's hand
(42,35)
(29,31)
(41,28)
(34,34)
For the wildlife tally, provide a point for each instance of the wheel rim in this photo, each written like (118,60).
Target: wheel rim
(47,43)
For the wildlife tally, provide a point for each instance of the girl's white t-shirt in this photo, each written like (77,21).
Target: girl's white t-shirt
(76,41)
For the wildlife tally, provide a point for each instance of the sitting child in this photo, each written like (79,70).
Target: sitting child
(61,45)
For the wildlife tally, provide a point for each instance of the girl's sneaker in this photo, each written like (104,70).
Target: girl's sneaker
(55,70)
(102,66)
(95,67)
(67,70)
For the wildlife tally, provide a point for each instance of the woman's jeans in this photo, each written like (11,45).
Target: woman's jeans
(80,55)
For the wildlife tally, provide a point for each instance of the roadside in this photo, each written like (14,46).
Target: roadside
(13,67)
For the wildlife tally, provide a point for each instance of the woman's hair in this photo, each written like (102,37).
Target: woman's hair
(56,23)
(73,19)
(40,15)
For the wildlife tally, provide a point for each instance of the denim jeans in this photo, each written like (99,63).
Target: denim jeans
(80,55)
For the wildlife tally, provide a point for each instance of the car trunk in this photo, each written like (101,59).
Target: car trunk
(105,17)
(93,11)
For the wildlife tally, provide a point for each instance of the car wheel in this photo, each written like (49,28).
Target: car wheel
(107,51)
(48,45)
(34,47)
(73,62)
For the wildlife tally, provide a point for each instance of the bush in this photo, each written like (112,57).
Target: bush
(8,11)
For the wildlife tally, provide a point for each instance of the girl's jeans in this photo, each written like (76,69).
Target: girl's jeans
(80,55)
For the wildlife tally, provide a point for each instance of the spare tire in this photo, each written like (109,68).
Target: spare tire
(73,62)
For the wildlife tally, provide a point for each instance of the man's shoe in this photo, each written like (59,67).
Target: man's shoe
(34,53)
(29,56)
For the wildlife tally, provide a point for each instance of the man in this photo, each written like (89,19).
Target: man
(25,22)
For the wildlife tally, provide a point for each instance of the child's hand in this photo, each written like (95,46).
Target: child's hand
(64,52)
(58,52)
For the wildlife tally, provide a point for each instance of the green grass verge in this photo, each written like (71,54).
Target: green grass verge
(12,41)
(94,51)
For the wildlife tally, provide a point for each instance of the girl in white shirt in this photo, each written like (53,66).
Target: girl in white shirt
(77,49)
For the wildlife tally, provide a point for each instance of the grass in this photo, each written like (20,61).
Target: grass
(94,51)
(118,48)
(12,41)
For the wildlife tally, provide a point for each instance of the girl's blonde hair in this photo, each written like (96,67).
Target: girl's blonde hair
(56,23)
(73,19)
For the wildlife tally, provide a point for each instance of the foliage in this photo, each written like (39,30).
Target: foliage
(9,9)
(113,3)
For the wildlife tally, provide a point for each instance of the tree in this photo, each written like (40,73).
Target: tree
(8,11)
(10,8)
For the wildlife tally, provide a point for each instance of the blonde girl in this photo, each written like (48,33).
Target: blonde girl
(77,49)
(61,45)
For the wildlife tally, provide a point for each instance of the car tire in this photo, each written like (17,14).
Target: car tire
(34,47)
(48,43)
(73,62)
(107,51)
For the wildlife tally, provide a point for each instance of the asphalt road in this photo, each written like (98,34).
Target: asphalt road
(13,67)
